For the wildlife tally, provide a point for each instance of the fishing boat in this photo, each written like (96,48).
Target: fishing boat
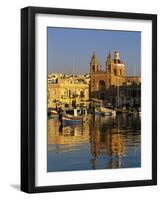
(107,111)
(71,117)
(97,112)
(66,118)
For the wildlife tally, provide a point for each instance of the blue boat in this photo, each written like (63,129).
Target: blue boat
(72,118)
(97,112)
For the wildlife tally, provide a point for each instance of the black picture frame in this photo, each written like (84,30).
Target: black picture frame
(28,98)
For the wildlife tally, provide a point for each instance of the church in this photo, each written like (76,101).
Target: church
(104,81)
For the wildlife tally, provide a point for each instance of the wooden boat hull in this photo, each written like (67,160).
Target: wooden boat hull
(69,119)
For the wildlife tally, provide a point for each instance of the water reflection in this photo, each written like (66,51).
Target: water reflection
(99,143)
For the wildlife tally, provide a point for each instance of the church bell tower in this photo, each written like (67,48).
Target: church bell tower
(109,64)
(93,64)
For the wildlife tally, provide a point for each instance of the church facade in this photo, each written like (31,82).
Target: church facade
(114,73)
(103,82)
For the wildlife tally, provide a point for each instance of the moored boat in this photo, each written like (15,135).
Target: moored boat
(97,112)
(71,117)
(53,113)
(66,118)
(107,112)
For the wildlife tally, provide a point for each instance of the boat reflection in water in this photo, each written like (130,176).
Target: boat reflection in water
(101,142)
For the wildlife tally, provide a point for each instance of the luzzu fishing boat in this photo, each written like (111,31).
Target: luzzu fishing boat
(72,118)
(66,118)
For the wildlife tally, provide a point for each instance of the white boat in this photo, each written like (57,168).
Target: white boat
(107,111)
(71,117)
(54,113)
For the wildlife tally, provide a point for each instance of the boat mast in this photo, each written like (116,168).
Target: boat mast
(117,92)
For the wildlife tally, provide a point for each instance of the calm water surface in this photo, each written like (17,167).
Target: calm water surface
(98,143)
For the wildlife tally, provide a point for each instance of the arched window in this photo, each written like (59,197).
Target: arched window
(102,85)
(109,67)
(65,93)
(82,94)
(93,67)
(69,93)
(102,96)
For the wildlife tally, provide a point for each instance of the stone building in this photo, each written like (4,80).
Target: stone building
(105,83)
(114,73)
(68,90)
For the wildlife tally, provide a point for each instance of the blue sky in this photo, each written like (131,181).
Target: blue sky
(70,50)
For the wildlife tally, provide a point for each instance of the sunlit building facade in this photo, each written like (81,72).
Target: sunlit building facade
(68,90)
(77,90)
(111,84)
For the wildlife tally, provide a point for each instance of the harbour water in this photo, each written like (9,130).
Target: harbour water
(100,142)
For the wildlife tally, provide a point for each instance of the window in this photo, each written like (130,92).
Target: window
(65,93)
(81,94)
